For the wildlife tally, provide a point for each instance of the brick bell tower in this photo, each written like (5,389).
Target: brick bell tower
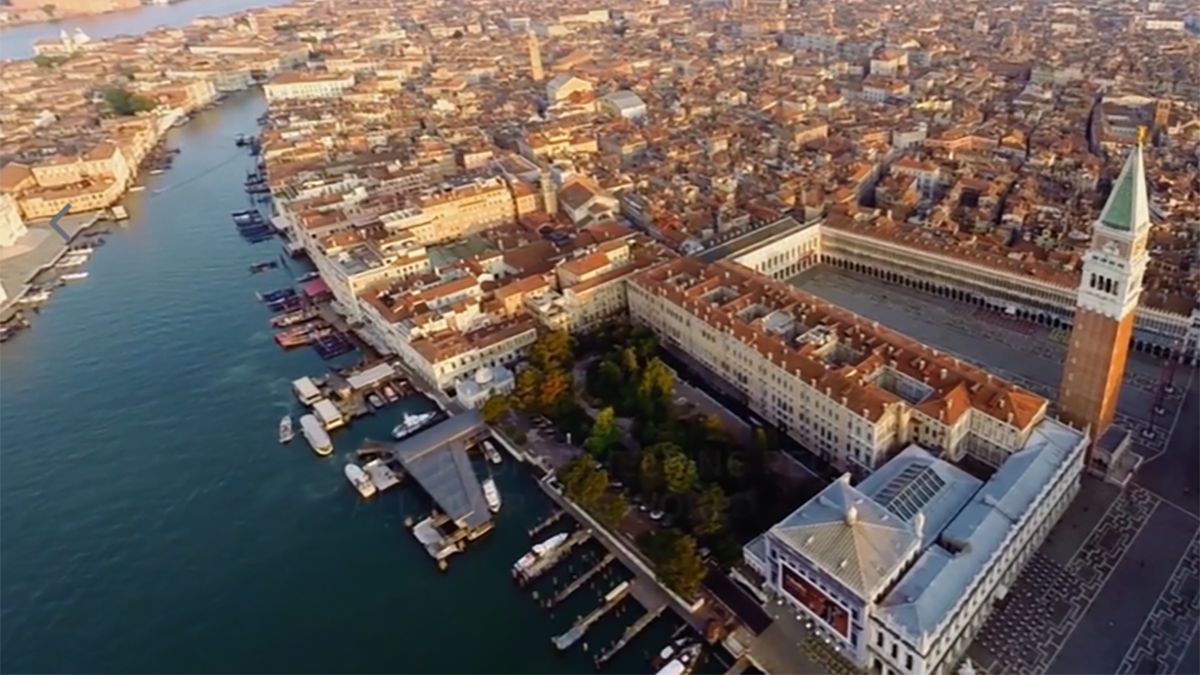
(1108,295)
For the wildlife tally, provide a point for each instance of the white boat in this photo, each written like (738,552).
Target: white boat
(72,261)
(119,212)
(492,494)
(74,276)
(286,433)
(360,480)
(491,453)
(539,550)
(315,434)
(412,424)
(137,188)
(34,298)
(683,658)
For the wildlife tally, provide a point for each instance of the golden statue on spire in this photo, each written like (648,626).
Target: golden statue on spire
(1142,133)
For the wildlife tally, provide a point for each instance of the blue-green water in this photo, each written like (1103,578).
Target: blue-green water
(149,520)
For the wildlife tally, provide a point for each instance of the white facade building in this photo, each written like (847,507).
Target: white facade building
(902,570)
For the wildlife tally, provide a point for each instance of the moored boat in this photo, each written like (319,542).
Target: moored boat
(412,424)
(491,453)
(360,480)
(539,550)
(315,434)
(491,494)
(390,394)
(374,400)
(286,433)
(74,276)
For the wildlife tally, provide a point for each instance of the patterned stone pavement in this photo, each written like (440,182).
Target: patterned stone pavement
(1172,622)
(1027,628)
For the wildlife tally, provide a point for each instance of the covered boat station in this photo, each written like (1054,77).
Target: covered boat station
(437,459)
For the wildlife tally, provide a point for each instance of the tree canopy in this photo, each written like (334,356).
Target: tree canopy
(122,102)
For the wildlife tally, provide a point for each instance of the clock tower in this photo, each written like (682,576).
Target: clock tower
(1108,295)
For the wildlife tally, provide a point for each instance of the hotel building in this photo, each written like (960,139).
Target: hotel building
(849,389)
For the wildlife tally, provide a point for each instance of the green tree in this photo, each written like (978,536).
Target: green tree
(529,382)
(656,383)
(710,510)
(651,471)
(676,561)
(611,509)
(629,362)
(555,385)
(680,473)
(583,482)
(608,381)
(604,435)
(552,350)
(496,408)
(122,102)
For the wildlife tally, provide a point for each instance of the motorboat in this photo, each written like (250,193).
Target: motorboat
(679,658)
(491,453)
(310,276)
(360,480)
(35,297)
(74,276)
(539,551)
(262,266)
(286,433)
(374,400)
(390,394)
(412,424)
(491,494)
(315,434)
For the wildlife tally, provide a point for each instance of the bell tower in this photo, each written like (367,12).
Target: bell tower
(1108,295)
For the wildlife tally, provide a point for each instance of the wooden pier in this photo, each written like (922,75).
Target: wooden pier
(577,631)
(630,633)
(583,579)
(550,520)
(544,563)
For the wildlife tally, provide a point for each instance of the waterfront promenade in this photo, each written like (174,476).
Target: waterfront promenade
(40,247)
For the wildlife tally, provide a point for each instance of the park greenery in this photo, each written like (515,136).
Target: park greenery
(123,102)
(704,491)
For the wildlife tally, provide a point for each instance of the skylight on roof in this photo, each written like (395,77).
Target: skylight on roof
(908,493)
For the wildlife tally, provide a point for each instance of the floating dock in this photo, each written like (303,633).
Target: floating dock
(381,475)
(550,520)
(611,599)
(630,633)
(583,579)
(543,564)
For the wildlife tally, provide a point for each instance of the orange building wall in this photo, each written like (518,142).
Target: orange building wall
(1094,369)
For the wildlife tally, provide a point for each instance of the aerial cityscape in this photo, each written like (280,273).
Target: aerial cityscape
(726,336)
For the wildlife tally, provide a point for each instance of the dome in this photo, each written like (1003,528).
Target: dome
(483,376)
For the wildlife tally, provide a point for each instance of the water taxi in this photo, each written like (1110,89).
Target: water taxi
(412,424)
(286,433)
(315,434)
(491,494)
(539,551)
(491,453)
(360,480)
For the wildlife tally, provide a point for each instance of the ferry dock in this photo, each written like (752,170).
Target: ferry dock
(580,628)
(579,582)
(630,633)
(548,561)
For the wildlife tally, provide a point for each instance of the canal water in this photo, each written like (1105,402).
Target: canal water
(152,523)
(17,42)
